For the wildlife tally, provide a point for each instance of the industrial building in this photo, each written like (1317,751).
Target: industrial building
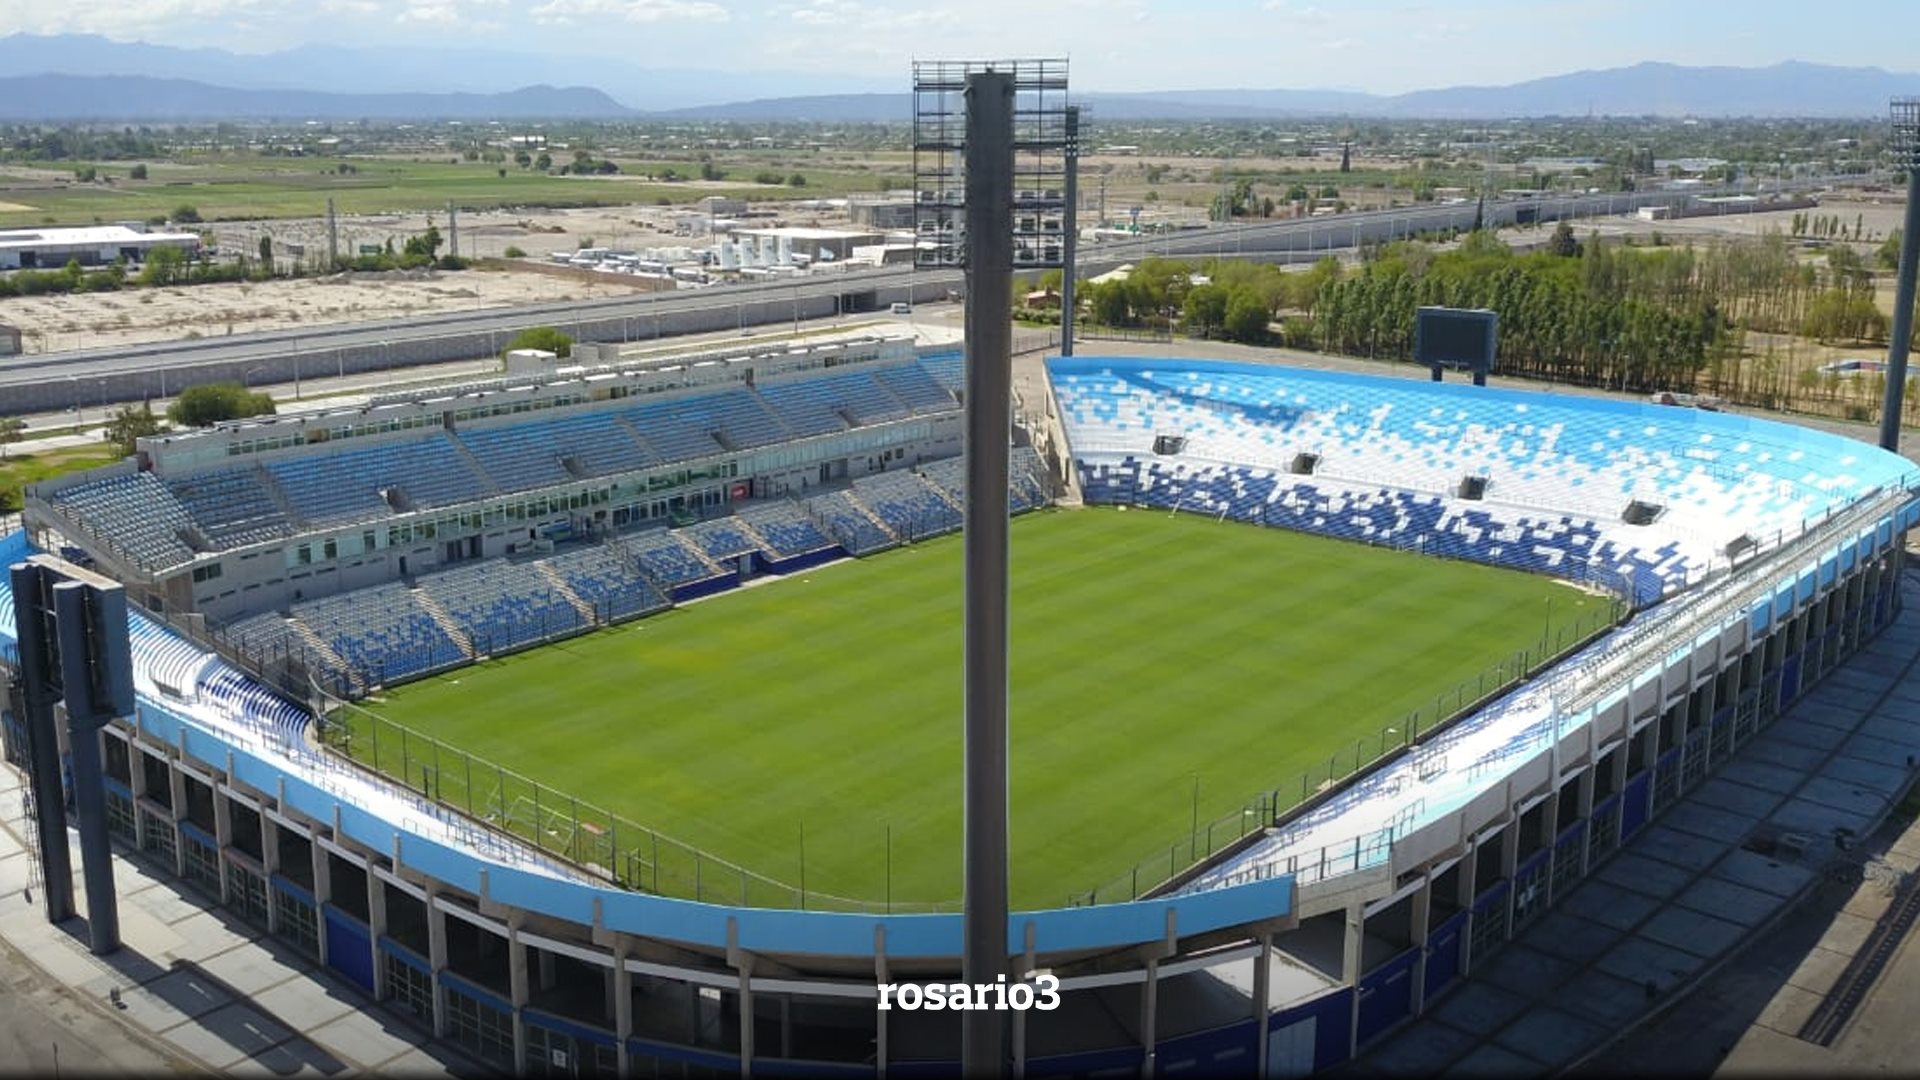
(837,243)
(93,245)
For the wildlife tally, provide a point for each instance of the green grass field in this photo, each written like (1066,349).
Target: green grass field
(1154,657)
(243,187)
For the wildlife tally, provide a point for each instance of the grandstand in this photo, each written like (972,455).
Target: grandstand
(364,548)
(1757,556)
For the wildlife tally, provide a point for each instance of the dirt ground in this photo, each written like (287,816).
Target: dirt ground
(91,320)
(490,233)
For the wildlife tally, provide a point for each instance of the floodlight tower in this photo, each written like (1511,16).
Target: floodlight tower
(1002,129)
(1904,146)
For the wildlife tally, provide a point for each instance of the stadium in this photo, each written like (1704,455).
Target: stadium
(595,721)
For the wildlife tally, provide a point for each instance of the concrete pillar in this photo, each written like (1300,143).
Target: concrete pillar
(1468,888)
(377,929)
(270,865)
(437,960)
(177,788)
(1352,954)
(746,1015)
(1262,1000)
(322,893)
(1149,1017)
(1584,804)
(222,835)
(622,1002)
(1419,925)
(518,989)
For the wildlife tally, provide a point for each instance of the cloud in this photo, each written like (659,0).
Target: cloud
(129,18)
(1298,14)
(633,11)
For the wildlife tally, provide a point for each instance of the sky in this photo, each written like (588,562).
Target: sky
(1378,46)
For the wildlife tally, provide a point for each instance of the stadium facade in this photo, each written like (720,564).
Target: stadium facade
(360,549)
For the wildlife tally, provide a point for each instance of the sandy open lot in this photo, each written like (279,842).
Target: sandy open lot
(89,320)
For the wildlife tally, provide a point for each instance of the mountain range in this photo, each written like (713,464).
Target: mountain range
(53,77)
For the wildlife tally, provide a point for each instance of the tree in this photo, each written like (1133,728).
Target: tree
(266,253)
(12,430)
(130,424)
(138,172)
(545,338)
(1247,316)
(186,214)
(210,403)
(165,266)
(1562,242)
(522,158)
(796,180)
(1205,309)
(1298,193)
(424,246)
(543,162)
(1888,255)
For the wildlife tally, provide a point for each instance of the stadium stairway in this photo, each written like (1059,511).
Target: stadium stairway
(461,450)
(264,480)
(447,623)
(559,582)
(753,534)
(328,657)
(627,425)
(857,503)
(940,492)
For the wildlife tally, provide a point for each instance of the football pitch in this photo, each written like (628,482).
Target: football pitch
(1166,670)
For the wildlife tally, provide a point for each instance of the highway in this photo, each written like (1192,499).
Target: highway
(93,377)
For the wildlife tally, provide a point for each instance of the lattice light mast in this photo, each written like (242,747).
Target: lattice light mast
(1904,146)
(989,163)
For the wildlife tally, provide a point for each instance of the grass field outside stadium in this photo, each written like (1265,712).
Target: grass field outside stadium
(1166,669)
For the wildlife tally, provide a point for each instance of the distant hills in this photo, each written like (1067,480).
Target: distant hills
(140,97)
(50,78)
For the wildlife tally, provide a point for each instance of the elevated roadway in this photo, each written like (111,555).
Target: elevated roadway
(97,377)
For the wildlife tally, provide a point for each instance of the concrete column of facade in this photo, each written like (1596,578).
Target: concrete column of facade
(1419,926)
(377,929)
(1466,890)
(1550,831)
(1149,1017)
(223,835)
(1352,954)
(1262,1000)
(622,1002)
(177,788)
(437,960)
(518,987)
(1588,780)
(322,891)
(1510,862)
(1710,697)
(745,964)
(269,866)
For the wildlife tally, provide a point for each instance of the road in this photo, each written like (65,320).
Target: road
(46,1030)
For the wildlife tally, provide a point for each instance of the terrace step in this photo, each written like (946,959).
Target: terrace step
(559,583)
(325,652)
(447,622)
(854,500)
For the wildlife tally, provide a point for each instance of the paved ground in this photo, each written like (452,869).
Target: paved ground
(1684,895)
(198,990)
(1746,1020)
